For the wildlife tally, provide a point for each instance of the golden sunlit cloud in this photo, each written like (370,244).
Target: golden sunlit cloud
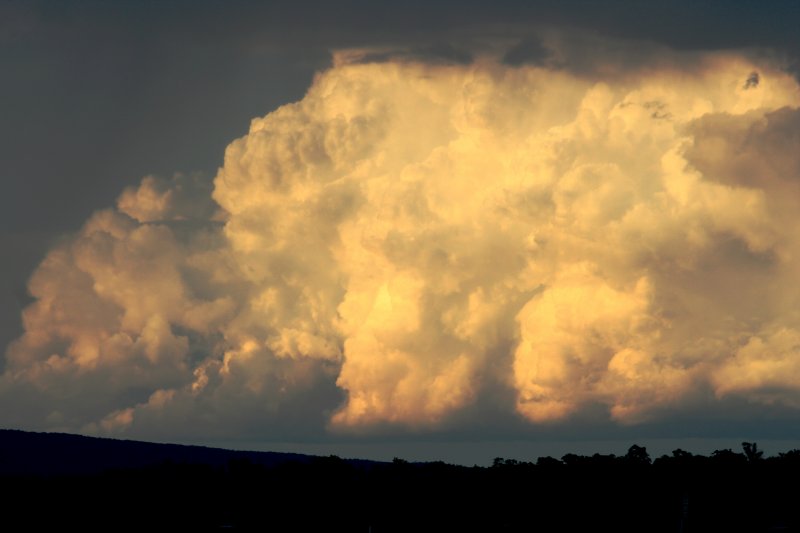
(410,237)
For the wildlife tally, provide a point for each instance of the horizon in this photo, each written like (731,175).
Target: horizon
(466,453)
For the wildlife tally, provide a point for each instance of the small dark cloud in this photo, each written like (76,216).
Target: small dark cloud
(438,53)
(528,52)
(658,110)
(444,52)
(752,81)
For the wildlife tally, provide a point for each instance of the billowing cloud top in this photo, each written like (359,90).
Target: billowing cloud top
(412,240)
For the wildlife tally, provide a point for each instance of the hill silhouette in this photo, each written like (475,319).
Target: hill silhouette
(54,454)
(56,480)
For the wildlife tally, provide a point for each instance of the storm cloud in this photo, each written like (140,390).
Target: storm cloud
(416,238)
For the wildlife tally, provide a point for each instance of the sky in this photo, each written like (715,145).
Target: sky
(439,230)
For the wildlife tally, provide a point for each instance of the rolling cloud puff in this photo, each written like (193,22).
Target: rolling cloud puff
(409,239)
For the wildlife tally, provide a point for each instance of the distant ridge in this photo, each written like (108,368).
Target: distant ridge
(56,454)
(57,481)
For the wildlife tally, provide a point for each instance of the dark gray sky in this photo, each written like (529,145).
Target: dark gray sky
(95,95)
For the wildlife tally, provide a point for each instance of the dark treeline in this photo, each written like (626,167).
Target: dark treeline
(726,491)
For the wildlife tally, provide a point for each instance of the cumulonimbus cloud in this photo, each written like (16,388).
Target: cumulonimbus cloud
(409,237)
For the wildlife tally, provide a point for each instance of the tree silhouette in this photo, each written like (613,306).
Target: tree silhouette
(752,452)
(681,454)
(728,458)
(638,455)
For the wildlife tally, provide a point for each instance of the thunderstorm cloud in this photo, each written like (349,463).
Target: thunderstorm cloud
(414,238)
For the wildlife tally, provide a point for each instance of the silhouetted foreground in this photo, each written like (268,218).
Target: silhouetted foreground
(55,480)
